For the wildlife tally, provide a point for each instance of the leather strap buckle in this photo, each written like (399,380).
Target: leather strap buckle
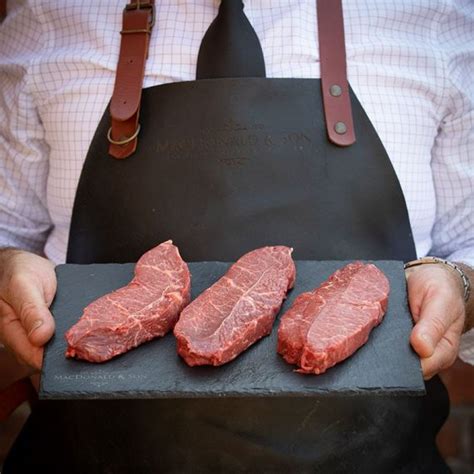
(138,5)
(124,141)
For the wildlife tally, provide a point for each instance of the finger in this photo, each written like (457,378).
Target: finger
(26,298)
(14,337)
(444,355)
(416,294)
(438,312)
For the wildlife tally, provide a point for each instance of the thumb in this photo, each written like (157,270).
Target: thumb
(26,297)
(436,317)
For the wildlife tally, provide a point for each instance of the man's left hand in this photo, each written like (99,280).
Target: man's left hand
(436,301)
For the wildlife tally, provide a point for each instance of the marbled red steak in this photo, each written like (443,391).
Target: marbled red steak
(238,309)
(328,324)
(146,308)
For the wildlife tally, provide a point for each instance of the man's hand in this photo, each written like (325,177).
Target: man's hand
(436,299)
(27,288)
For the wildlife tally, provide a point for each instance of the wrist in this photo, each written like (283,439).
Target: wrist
(7,254)
(460,276)
(12,258)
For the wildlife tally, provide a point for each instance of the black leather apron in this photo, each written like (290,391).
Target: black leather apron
(224,166)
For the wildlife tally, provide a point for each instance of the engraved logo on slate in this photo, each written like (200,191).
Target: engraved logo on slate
(100,380)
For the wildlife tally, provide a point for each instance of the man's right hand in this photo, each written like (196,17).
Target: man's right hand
(27,288)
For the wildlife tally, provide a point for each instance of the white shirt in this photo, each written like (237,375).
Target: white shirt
(410,62)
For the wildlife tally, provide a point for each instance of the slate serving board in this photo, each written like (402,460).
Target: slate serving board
(386,364)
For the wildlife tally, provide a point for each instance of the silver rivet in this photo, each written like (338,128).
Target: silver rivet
(340,128)
(335,90)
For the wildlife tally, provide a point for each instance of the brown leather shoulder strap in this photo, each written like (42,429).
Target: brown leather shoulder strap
(138,20)
(335,87)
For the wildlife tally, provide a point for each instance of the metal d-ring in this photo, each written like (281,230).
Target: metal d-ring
(126,140)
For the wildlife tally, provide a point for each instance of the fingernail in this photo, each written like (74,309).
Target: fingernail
(38,323)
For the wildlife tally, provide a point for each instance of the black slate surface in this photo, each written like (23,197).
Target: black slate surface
(386,364)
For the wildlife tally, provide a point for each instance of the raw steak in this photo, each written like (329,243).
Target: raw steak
(238,309)
(146,308)
(328,324)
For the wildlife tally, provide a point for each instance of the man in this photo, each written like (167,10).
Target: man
(409,65)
